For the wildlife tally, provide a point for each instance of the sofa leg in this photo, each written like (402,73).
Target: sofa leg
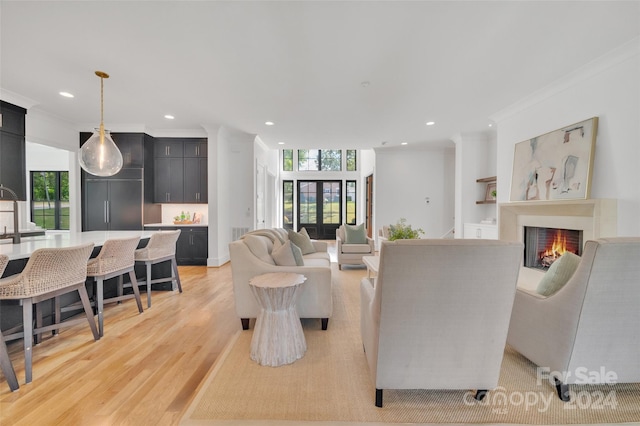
(325,323)
(245,323)
(378,397)
(480,394)
(563,390)
(339,267)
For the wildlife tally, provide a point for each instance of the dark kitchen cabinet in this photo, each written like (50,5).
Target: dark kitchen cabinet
(195,148)
(192,246)
(195,180)
(169,147)
(168,180)
(180,179)
(12,149)
(112,205)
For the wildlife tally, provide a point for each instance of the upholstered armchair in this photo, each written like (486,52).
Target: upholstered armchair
(591,323)
(437,314)
(350,251)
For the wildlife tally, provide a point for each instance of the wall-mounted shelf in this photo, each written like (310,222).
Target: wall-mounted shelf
(491,186)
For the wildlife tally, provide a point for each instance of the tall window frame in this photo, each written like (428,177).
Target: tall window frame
(352,160)
(50,199)
(287,160)
(351,202)
(287,204)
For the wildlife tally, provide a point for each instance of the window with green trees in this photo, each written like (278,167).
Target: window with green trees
(287,204)
(351,160)
(320,159)
(287,160)
(50,199)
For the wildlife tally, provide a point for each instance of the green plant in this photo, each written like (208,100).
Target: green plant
(402,231)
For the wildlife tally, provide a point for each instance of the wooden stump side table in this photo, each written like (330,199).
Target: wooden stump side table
(277,337)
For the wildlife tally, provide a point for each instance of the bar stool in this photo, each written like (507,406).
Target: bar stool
(50,272)
(5,361)
(161,248)
(116,258)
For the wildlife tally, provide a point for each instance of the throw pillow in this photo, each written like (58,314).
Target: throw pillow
(558,274)
(302,241)
(355,234)
(304,232)
(288,254)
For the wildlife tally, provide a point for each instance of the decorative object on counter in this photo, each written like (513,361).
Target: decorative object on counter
(186,219)
(99,155)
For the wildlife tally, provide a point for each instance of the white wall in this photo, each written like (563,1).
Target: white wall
(608,88)
(403,180)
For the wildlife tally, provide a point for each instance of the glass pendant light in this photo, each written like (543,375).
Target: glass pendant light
(99,155)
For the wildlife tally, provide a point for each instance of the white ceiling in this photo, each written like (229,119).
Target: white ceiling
(301,64)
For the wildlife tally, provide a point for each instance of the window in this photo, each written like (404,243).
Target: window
(331,160)
(50,199)
(287,160)
(351,160)
(308,160)
(351,202)
(320,159)
(287,204)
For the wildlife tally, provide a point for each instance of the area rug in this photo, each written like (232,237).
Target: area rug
(331,384)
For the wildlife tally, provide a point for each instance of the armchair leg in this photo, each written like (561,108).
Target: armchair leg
(563,390)
(325,323)
(480,394)
(378,397)
(245,323)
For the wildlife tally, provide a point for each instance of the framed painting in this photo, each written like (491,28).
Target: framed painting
(556,165)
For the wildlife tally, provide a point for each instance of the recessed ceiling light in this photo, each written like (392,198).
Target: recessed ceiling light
(66,94)
(430,123)
(280,143)
(169,117)
(404,143)
(269,123)
(490,124)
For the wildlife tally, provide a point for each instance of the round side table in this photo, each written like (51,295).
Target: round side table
(277,338)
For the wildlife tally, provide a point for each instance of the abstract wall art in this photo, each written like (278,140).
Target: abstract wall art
(556,165)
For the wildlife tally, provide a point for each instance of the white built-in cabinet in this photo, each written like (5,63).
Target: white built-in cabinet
(481,230)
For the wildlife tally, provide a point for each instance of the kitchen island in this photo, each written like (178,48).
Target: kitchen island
(64,239)
(19,254)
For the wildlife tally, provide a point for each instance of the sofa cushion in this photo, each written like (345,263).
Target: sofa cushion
(356,248)
(317,262)
(558,274)
(302,241)
(287,254)
(260,246)
(355,234)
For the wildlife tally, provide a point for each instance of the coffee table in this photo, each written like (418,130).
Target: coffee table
(372,263)
(277,338)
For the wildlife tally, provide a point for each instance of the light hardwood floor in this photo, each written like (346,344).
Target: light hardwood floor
(144,371)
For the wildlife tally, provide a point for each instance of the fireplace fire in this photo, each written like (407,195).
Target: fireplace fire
(543,246)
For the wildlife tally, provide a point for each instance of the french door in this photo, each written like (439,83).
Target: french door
(320,208)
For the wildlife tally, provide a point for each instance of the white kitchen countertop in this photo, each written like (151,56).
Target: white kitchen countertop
(63,239)
(174,225)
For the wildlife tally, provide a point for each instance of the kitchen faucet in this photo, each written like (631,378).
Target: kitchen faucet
(16,231)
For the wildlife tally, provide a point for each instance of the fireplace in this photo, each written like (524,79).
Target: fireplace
(596,218)
(543,245)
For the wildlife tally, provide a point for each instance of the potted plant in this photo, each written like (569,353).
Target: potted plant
(402,231)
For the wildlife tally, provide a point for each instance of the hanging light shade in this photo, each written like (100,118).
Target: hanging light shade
(99,155)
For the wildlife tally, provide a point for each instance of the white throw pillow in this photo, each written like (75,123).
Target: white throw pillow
(302,241)
(558,274)
(288,254)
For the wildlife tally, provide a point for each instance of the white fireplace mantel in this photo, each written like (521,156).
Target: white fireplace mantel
(595,217)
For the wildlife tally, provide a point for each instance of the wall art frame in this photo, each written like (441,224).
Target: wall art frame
(557,165)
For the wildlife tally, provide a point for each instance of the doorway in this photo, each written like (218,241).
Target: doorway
(320,208)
